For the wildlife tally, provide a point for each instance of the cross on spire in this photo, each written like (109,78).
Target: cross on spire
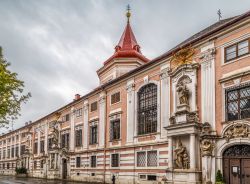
(128,14)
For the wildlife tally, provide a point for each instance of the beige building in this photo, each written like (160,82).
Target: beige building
(176,119)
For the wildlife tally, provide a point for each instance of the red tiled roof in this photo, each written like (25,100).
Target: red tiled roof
(127,46)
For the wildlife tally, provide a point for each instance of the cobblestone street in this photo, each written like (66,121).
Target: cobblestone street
(14,180)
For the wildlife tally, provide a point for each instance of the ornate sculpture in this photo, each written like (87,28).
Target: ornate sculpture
(207,147)
(183,93)
(183,56)
(55,137)
(206,129)
(236,130)
(182,159)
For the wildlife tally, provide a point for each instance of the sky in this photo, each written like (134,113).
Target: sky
(56,46)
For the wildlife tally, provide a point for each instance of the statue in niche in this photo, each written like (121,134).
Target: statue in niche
(55,137)
(182,159)
(183,93)
(207,147)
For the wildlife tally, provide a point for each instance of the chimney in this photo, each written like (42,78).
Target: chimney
(77,97)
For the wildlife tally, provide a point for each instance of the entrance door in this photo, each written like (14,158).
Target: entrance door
(236,164)
(245,171)
(64,168)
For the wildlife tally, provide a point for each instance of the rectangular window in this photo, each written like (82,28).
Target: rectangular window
(8,153)
(41,146)
(238,103)
(35,148)
(236,50)
(115,160)
(93,134)
(17,137)
(22,149)
(17,151)
(152,158)
(12,152)
(66,118)
(93,107)
(50,144)
(115,129)
(147,158)
(78,161)
(41,164)
(65,140)
(8,165)
(115,98)
(78,137)
(35,165)
(93,161)
(78,112)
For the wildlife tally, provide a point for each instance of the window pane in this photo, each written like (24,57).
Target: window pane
(152,158)
(141,159)
(243,48)
(231,52)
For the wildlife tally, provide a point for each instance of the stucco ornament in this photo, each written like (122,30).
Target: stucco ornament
(236,130)
(207,147)
(182,158)
(183,93)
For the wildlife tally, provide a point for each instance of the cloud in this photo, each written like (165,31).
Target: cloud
(57,46)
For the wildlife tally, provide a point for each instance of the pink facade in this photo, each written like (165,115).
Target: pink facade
(148,121)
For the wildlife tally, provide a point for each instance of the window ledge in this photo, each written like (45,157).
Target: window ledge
(236,59)
(236,121)
(145,135)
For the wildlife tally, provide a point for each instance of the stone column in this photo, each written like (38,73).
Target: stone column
(85,124)
(102,118)
(11,147)
(170,153)
(130,111)
(72,130)
(192,152)
(165,99)
(39,142)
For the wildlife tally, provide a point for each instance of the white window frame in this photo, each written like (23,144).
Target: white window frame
(146,163)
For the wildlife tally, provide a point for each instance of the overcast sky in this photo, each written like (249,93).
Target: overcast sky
(56,46)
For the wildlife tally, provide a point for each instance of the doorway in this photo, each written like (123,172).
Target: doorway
(64,168)
(236,164)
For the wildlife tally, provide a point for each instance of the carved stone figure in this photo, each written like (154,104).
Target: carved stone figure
(207,147)
(182,158)
(206,129)
(236,130)
(55,137)
(183,93)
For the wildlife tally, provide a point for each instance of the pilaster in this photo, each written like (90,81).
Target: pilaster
(72,130)
(102,118)
(130,110)
(85,124)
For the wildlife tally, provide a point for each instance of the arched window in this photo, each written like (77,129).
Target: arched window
(147,109)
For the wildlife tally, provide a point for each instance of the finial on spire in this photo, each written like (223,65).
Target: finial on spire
(219,14)
(128,14)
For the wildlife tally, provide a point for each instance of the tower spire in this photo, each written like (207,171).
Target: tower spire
(128,14)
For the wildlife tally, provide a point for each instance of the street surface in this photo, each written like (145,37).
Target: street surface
(14,180)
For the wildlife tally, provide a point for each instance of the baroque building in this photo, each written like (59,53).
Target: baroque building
(178,118)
